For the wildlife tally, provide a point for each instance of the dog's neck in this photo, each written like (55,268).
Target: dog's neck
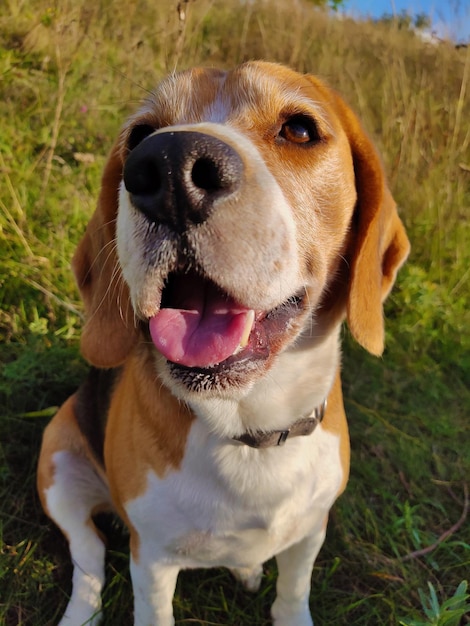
(276,438)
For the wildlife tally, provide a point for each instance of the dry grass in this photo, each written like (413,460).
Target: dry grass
(69,74)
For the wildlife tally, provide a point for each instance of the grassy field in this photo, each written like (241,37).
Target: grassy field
(398,545)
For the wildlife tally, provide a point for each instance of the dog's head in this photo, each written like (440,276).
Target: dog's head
(240,213)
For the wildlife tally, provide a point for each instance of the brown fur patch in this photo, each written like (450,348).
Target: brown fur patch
(147,429)
(335,422)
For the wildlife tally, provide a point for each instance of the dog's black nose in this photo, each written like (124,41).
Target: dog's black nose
(177,177)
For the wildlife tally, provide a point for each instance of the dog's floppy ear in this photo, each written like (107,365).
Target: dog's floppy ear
(378,241)
(110,331)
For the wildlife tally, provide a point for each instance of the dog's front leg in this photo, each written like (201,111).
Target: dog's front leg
(153,584)
(291,607)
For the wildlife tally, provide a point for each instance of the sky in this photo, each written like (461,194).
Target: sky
(450,18)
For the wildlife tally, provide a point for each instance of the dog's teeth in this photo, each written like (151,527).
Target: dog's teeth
(249,325)
(250,320)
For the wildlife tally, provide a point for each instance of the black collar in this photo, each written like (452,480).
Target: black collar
(303,426)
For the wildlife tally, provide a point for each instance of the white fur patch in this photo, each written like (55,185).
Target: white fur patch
(76,490)
(235,506)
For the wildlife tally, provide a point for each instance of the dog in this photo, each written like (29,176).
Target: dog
(243,216)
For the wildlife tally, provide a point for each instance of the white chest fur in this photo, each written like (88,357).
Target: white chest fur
(234,506)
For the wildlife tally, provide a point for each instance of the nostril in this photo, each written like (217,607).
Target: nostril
(142,176)
(206,175)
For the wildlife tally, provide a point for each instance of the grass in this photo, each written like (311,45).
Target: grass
(399,542)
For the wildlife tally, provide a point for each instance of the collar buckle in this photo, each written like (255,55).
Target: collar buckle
(283,437)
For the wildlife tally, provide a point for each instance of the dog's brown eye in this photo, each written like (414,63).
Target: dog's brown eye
(139,133)
(299,129)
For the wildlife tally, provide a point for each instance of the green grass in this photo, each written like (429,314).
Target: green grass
(69,75)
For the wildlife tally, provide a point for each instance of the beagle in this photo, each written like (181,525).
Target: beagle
(243,215)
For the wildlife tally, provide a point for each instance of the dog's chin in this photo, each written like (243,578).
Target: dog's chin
(271,333)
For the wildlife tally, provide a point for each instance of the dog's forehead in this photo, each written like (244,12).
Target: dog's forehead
(186,94)
(251,89)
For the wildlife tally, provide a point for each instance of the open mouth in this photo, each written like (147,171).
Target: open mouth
(200,326)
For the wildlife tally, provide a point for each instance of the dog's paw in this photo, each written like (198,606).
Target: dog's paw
(300,619)
(249,577)
(288,615)
(78,618)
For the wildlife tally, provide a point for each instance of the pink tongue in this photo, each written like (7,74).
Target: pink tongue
(205,331)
